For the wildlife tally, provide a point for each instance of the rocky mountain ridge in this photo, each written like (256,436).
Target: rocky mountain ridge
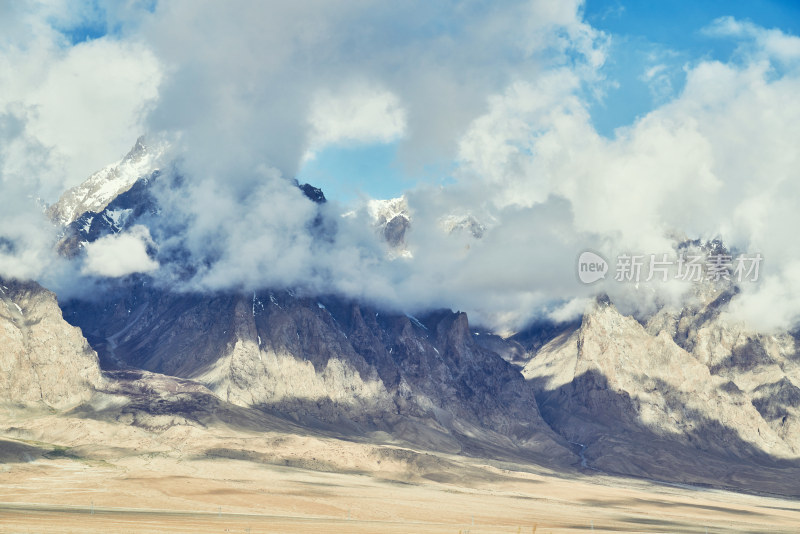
(684,395)
(43,360)
(94,194)
(326,359)
(646,399)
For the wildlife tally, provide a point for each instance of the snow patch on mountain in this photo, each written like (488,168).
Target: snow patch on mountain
(392,219)
(466,223)
(105,185)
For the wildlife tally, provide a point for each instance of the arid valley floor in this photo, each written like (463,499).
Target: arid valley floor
(222,480)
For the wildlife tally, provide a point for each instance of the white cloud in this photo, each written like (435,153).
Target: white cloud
(531,165)
(65,112)
(570,311)
(358,114)
(26,236)
(248,90)
(121,254)
(765,42)
(273,78)
(91,102)
(717,161)
(775,303)
(658,79)
(85,102)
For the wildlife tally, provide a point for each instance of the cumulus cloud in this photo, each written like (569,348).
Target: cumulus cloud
(246,92)
(84,102)
(269,78)
(65,112)
(26,236)
(121,254)
(758,41)
(715,162)
(28,170)
(90,103)
(360,114)
(250,91)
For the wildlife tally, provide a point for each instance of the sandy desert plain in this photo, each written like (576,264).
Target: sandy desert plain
(219,477)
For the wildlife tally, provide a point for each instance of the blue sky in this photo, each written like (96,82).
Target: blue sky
(344,173)
(643,34)
(348,173)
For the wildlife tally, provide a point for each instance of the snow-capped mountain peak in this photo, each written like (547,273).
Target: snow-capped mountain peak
(391,218)
(105,185)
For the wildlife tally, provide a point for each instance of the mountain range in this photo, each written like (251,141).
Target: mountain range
(684,395)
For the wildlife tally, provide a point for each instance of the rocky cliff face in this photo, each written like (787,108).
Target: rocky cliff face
(43,359)
(763,369)
(308,358)
(325,359)
(638,402)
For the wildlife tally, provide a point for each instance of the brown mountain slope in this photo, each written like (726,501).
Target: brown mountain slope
(42,358)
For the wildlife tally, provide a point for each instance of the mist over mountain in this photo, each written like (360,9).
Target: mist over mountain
(529,167)
(691,395)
